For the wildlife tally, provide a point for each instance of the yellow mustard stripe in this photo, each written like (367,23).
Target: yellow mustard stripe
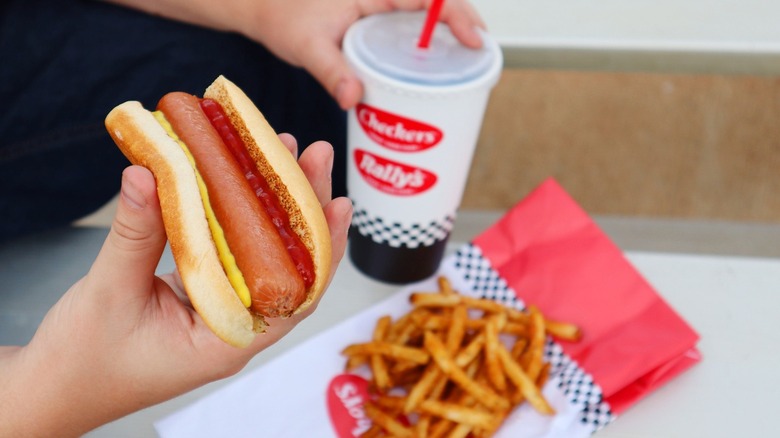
(234,275)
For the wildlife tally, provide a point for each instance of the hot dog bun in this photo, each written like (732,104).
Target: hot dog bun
(145,142)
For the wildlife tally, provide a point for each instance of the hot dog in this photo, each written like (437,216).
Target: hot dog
(245,227)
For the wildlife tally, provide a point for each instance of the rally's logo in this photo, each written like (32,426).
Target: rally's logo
(346,395)
(396,132)
(392,177)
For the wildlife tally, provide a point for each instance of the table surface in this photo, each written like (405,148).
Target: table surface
(731,300)
(649,35)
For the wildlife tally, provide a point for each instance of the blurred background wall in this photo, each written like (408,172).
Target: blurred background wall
(641,144)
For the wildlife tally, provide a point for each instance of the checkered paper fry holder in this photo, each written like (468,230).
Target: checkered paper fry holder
(547,252)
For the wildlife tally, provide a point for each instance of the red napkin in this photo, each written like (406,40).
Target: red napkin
(552,255)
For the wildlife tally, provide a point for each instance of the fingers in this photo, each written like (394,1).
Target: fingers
(460,15)
(328,65)
(464,11)
(173,280)
(135,243)
(323,58)
(464,22)
(338,213)
(290,143)
(370,7)
(316,161)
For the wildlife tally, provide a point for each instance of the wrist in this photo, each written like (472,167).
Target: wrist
(39,396)
(16,419)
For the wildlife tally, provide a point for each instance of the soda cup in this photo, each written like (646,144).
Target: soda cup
(411,140)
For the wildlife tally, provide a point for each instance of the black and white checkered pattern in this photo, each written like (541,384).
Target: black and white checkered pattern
(577,385)
(483,279)
(398,235)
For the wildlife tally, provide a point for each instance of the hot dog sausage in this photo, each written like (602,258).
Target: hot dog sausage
(262,189)
(275,286)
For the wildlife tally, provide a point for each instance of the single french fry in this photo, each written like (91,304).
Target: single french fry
(416,355)
(386,422)
(382,327)
(534,354)
(457,328)
(458,414)
(563,330)
(442,358)
(470,351)
(422,388)
(493,368)
(485,305)
(431,321)
(525,384)
(494,307)
(445,286)
(419,299)
(378,365)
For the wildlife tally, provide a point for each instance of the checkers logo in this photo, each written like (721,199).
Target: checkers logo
(392,177)
(346,395)
(395,132)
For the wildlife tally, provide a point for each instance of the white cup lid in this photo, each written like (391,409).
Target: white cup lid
(388,43)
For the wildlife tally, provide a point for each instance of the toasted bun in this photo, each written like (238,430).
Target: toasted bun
(144,142)
(284,176)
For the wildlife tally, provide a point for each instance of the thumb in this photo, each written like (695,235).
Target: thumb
(327,64)
(135,243)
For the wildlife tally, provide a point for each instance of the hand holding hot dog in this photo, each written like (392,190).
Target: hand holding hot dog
(308,33)
(121,338)
(246,228)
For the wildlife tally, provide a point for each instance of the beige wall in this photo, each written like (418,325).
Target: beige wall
(691,146)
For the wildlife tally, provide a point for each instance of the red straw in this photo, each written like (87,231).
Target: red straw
(430,23)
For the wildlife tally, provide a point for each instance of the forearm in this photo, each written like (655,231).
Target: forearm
(21,410)
(10,407)
(41,395)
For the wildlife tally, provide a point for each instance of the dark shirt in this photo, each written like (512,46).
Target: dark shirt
(66,63)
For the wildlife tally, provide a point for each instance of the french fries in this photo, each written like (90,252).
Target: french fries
(455,365)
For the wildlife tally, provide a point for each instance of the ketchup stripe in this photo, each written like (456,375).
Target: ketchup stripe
(268,199)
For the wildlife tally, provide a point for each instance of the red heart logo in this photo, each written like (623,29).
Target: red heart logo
(346,395)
